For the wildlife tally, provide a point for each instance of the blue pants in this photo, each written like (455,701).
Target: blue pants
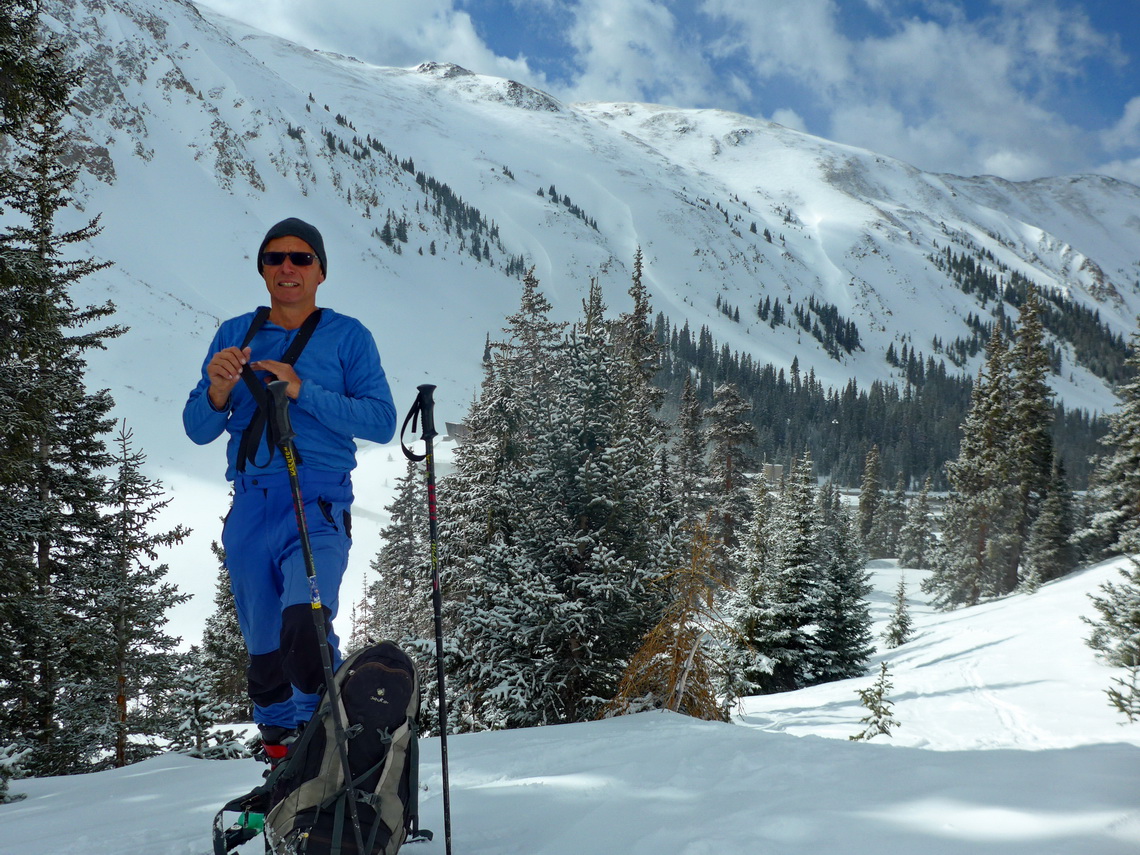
(271,588)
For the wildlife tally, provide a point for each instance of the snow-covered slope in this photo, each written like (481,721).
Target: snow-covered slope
(200,132)
(197,133)
(1006,746)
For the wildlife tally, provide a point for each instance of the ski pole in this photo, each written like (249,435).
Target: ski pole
(424,409)
(284,433)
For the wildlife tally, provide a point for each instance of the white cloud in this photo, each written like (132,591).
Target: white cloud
(789,119)
(1125,170)
(632,50)
(384,33)
(1015,165)
(799,39)
(1126,132)
(942,91)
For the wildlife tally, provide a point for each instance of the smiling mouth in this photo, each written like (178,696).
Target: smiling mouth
(288,284)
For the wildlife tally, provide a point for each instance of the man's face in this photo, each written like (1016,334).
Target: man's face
(289,284)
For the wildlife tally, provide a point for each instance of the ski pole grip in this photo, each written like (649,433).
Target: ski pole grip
(279,411)
(423,408)
(427,410)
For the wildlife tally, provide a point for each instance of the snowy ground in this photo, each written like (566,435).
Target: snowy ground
(1007,745)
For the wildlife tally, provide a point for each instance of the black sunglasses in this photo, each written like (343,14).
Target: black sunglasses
(298,259)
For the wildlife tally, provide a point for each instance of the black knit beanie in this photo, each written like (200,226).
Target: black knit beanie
(293,227)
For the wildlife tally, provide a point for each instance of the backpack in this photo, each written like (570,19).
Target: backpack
(379,692)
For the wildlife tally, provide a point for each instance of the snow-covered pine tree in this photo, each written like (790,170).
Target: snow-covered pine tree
(879,718)
(1031,423)
(690,451)
(980,519)
(400,597)
(900,628)
(52,451)
(1114,489)
(638,346)
(888,522)
(786,612)
(195,712)
(916,540)
(1116,634)
(1049,552)
(843,634)
(223,657)
(747,600)
(729,436)
(1124,694)
(359,617)
(870,498)
(34,69)
(11,760)
(484,564)
(128,611)
(555,580)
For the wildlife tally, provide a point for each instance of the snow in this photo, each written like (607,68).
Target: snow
(1006,745)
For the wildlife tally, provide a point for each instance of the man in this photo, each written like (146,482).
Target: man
(337,390)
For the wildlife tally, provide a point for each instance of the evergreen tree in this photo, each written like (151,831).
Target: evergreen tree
(400,599)
(1116,634)
(787,591)
(1032,423)
(690,452)
(844,632)
(195,713)
(888,522)
(359,616)
(870,498)
(11,760)
(879,718)
(639,346)
(747,601)
(1125,692)
(32,74)
(976,557)
(1049,552)
(131,604)
(1114,491)
(554,577)
(729,437)
(916,540)
(52,530)
(223,656)
(900,628)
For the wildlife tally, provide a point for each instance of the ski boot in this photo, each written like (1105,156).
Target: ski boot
(254,805)
(275,742)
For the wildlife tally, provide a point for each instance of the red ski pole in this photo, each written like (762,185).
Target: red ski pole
(424,410)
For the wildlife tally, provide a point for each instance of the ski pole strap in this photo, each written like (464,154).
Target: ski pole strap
(251,436)
(422,410)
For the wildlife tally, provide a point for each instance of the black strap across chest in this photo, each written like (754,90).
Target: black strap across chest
(251,436)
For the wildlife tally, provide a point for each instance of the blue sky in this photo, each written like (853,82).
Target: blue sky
(1016,88)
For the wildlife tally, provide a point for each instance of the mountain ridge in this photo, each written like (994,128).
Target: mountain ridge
(849,227)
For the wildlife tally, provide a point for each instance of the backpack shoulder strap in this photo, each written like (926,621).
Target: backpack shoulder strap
(259,319)
(251,436)
(303,335)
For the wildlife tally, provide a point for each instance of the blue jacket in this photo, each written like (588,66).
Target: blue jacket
(344,394)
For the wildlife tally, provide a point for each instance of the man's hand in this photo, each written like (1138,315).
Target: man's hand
(283,371)
(224,371)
